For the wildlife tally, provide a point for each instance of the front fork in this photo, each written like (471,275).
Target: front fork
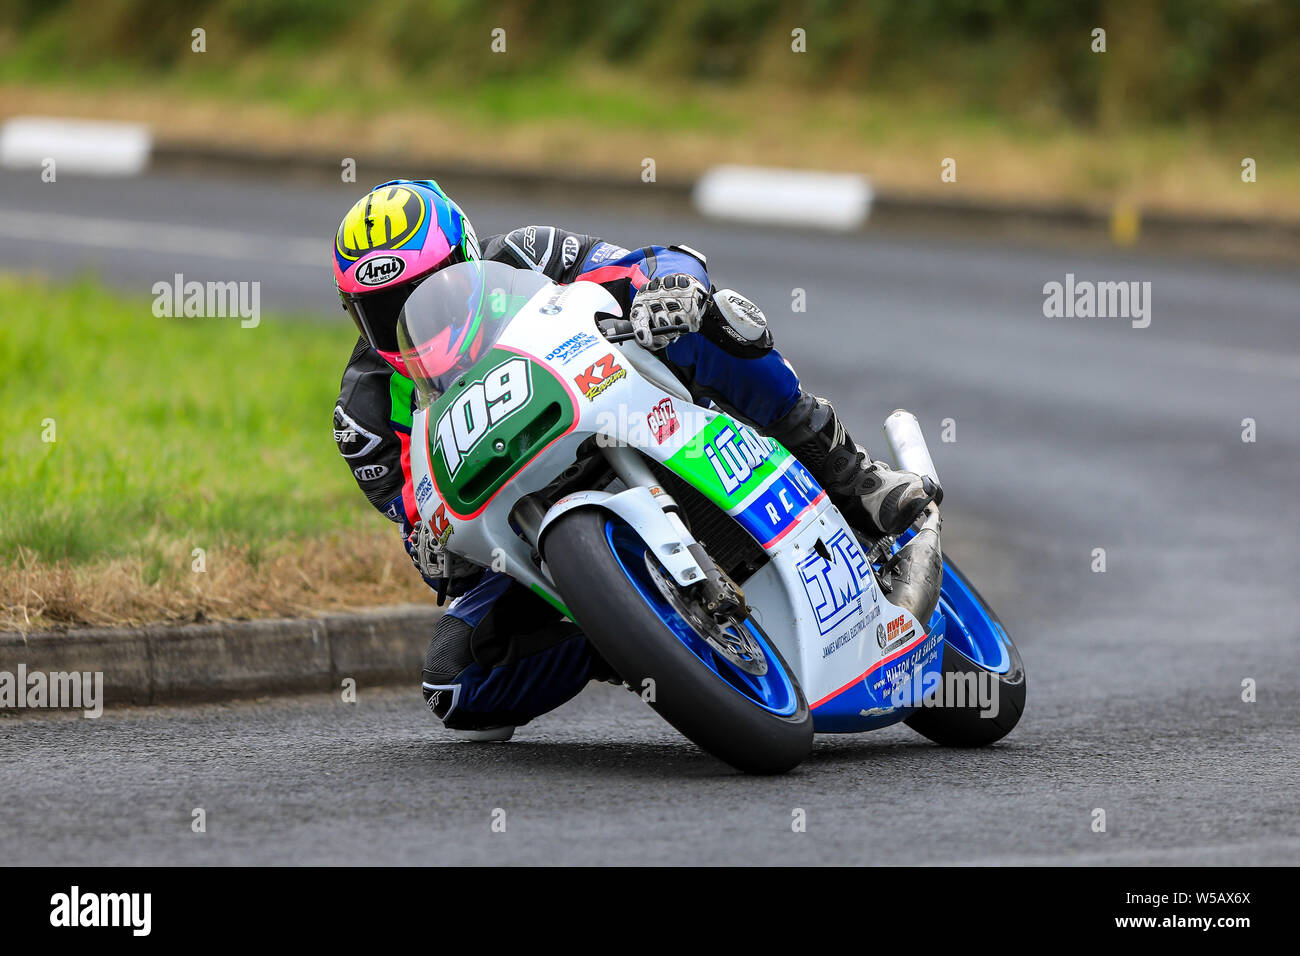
(719,594)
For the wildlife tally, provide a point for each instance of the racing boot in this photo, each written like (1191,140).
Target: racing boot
(875,498)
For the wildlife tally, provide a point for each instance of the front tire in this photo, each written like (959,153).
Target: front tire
(758,724)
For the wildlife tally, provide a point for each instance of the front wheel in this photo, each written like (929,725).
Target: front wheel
(720,681)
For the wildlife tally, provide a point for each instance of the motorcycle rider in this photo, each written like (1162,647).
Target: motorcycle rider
(500,655)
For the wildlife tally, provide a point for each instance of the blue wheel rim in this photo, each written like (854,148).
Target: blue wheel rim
(774,691)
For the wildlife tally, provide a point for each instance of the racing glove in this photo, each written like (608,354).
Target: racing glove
(445,571)
(665,302)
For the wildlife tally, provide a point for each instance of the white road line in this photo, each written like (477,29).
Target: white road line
(162,238)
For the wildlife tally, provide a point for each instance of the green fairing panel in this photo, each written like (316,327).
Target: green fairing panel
(490,423)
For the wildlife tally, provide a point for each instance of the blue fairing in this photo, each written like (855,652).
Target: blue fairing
(877,698)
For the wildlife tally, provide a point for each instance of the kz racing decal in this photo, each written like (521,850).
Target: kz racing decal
(834,583)
(663,421)
(479,408)
(599,376)
(440,525)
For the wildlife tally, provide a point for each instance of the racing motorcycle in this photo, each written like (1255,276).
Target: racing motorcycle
(700,558)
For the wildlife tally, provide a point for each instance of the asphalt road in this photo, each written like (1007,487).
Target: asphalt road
(1071,435)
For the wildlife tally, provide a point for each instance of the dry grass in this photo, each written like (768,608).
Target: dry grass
(298,579)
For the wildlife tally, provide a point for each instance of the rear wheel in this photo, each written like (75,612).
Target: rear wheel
(718,680)
(983,691)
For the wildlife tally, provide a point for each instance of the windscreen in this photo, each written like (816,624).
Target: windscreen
(457,314)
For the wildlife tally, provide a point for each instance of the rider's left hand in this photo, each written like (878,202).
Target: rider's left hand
(664,302)
(431,558)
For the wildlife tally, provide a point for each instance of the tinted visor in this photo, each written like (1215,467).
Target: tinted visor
(455,318)
(376,313)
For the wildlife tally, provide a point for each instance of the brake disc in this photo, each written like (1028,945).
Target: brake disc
(723,632)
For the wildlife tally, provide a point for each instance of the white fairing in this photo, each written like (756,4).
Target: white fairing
(663,532)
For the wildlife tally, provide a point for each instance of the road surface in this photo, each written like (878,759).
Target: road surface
(1071,435)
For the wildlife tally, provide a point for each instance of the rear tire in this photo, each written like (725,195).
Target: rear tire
(598,565)
(966,726)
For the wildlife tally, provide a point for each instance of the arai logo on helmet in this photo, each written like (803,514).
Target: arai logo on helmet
(378,270)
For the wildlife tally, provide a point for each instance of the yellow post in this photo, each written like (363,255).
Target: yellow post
(1125,224)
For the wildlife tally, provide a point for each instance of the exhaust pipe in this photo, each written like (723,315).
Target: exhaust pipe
(915,573)
(907,444)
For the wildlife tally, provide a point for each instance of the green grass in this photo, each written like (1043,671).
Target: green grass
(195,432)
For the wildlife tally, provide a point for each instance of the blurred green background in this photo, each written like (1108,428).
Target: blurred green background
(1013,90)
(1167,60)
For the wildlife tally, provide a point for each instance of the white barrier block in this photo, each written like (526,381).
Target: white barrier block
(76,146)
(786,197)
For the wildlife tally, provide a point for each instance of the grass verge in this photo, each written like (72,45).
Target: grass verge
(157,469)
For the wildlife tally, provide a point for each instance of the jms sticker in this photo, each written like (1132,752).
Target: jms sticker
(835,580)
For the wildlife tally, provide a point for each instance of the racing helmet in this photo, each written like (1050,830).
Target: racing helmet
(391,240)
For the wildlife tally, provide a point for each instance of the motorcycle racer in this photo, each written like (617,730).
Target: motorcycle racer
(500,655)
